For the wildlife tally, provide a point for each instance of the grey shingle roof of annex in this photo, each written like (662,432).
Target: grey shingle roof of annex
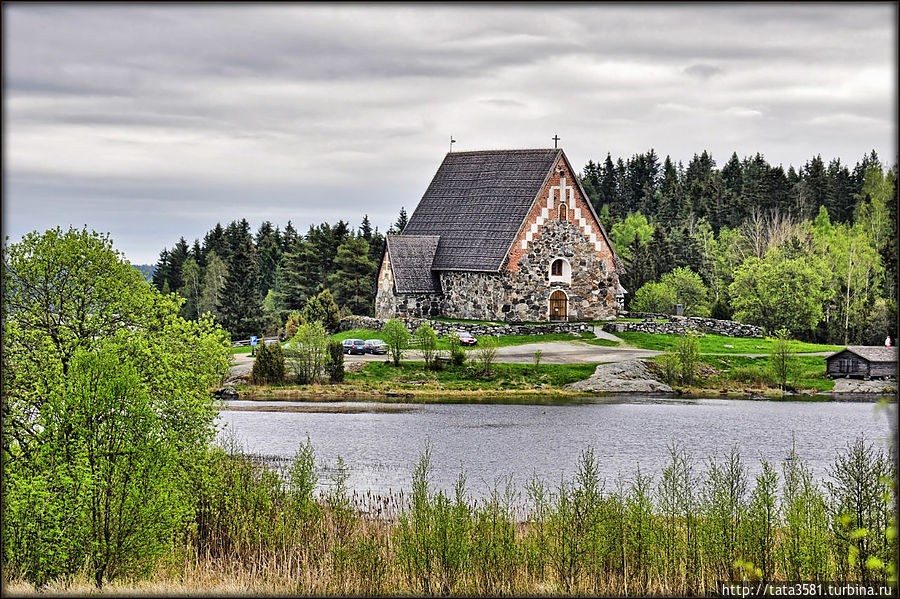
(476,204)
(872,353)
(411,257)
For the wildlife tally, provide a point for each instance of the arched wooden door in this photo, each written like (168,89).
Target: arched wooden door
(558,305)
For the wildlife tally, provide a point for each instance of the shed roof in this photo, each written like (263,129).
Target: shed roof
(871,353)
(477,202)
(411,258)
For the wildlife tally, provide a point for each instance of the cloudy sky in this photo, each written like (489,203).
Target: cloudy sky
(155,121)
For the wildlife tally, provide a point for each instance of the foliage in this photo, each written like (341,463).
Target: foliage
(268,367)
(537,359)
(106,401)
(295,319)
(240,302)
(486,354)
(396,335)
(688,290)
(657,298)
(305,353)
(335,361)
(352,279)
(783,362)
(457,353)
(426,341)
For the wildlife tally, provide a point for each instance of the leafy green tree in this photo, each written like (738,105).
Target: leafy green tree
(777,292)
(426,340)
(635,226)
(689,291)
(306,353)
(396,335)
(783,362)
(658,298)
(353,277)
(106,402)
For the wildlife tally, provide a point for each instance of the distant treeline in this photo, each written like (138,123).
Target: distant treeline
(252,282)
(812,250)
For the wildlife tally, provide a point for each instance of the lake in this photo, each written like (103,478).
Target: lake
(381,442)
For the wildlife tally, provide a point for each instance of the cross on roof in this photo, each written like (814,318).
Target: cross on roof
(555,139)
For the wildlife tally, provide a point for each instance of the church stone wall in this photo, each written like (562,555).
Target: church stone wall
(523,295)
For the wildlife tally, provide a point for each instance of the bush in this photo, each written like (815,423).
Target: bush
(396,336)
(721,310)
(783,362)
(306,353)
(457,353)
(427,340)
(268,368)
(293,323)
(654,297)
(335,361)
(487,353)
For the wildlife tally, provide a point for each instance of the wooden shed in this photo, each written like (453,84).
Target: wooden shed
(863,361)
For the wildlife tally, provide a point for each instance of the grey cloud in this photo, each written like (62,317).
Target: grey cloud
(702,71)
(328,111)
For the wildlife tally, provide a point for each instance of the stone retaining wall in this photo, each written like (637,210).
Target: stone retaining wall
(677,325)
(478,330)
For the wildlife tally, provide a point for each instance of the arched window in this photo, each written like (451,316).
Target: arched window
(556,269)
(560,271)
(563,212)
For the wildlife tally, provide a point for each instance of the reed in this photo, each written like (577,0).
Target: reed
(263,529)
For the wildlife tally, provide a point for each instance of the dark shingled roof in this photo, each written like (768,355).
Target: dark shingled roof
(476,204)
(872,353)
(411,257)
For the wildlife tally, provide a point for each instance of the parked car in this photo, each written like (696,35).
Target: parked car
(354,346)
(376,346)
(465,338)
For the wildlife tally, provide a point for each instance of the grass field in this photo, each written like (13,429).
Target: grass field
(715,344)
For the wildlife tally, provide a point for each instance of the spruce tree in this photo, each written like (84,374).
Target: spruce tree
(352,281)
(240,305)
(213,282)
(215,241)
(268,252)
(297,275)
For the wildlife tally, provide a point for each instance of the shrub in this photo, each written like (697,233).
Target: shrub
(335,361)
(427,341)
(306,353)
(268,368)
(457,353)
(688,350)
(783,362)
(654,297)
(396,336)
(537,359)
(293,323)
(487,353)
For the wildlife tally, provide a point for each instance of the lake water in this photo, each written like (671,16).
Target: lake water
(382,442)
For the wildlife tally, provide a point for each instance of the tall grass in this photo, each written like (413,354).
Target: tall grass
(259,529)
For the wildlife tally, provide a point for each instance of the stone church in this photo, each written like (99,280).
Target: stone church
(502,235)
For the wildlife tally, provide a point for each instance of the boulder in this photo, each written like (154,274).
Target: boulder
(630,376)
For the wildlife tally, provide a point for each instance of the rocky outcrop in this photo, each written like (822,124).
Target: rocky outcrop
(631,376)
(677,325)
(845,385)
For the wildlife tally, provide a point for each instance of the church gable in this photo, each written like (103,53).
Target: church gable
(562,199)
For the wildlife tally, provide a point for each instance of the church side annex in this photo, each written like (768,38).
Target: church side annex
(502,235)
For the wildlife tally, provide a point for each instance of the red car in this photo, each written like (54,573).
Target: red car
(465,338)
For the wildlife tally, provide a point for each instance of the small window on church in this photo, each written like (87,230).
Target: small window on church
(556,269)
(563,212)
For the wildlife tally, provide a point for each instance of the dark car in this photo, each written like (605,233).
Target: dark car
(376,346)
(465,338)
(354,346)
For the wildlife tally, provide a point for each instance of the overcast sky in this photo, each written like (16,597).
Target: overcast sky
(155,121)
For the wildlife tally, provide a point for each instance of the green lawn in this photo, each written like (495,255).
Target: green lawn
(409,376)
(745,370)
(715,344)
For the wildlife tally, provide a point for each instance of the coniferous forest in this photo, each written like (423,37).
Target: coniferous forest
(812,249)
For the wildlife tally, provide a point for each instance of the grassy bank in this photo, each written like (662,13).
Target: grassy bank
(715,344)
(500,340)
(377,380)
(676,532)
